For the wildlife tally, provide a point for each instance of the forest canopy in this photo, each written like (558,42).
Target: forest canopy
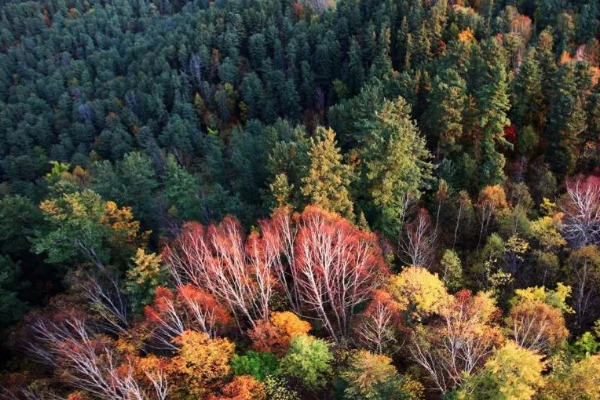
(299,199)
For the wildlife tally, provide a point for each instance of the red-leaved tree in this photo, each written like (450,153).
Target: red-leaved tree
(227,264)
(337,266)
(189,308)
(322,263)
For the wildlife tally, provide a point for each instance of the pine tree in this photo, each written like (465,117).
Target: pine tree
(356,71)
(280,191)
(382,63)
(181,192)
(566,120)
(131,183)
(528,99)
(593,116)
(395,164)
(493,104)
(444,116)
(328,178)
(253,95)
(587,22)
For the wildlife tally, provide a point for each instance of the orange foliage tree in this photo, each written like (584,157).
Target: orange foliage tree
(92,363)
(338,267)
(536,318)
(492,199)
(276,334)
(201,364)
(243,388)
(379,324)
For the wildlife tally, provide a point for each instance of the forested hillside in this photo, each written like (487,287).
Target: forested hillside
(299,199)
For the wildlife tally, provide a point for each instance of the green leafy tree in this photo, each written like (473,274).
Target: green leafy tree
(372,377)
(308,360)
(258,365)
(452,272)
(85,228)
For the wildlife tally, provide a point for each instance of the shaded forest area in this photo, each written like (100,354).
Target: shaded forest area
(280,199)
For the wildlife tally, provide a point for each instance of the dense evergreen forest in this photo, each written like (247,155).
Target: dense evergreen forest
(299,199)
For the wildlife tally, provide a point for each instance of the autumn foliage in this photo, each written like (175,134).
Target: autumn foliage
(459,343)
(242,388)
(171,314)
(201,363)
(324,265)
(276,334)
(300,199)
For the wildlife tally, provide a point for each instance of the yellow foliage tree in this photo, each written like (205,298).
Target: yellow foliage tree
(146,274)
(290,324)
(545,230)
(121,220)
(328,177)
(418,292)
(555,298)
(372,376)
(202,363)
(466,35)
(84,226)
(512,373)
(579,381)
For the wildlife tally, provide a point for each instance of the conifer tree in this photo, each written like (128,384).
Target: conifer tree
(382,64)
(493,104)
(395,164)
(443,118)
(528,99)
(356,71)
(566,120)
(328,177)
